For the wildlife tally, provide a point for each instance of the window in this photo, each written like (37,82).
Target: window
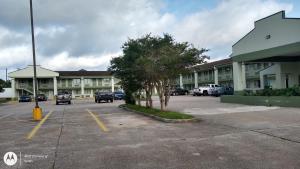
(77,92)
(220,71)
(87,81)
(87,91)
(257,84)
(76,82)
(258,66)
(44,81)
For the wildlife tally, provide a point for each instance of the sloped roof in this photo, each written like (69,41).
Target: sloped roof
(211,65)
(84,73)
(28,72)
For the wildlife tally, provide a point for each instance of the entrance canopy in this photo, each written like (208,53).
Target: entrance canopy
(273,39)
(286,53)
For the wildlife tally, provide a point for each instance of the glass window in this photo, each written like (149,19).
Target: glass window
(76,82)
(87,81)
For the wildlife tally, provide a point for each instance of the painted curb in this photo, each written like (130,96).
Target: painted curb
(160,118)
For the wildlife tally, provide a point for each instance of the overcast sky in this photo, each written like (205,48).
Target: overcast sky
(76,34)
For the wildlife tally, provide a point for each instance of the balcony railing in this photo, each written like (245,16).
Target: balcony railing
(46,86)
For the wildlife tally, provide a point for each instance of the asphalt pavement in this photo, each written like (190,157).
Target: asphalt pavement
(89,135)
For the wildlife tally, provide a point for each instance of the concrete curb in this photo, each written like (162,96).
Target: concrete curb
(160,118)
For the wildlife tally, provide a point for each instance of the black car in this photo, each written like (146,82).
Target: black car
(179,91)
(63,97)
(104,96)
(119,95)
(42,97)
(25,98)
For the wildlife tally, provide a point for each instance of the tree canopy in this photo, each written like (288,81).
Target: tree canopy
(4,84)
(153,62)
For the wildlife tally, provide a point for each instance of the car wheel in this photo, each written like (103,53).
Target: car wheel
(56,103)
(111,100)
(69,102)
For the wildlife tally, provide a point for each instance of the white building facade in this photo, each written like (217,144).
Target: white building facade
(80,83)
(275,42)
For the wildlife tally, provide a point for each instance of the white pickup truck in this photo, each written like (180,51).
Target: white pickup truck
(209,89)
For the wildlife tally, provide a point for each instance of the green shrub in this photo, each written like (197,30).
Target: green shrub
(293,91)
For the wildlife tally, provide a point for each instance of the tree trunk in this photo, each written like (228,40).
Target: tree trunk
(139,97)
(161,91)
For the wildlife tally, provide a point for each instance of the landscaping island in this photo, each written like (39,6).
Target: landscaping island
(165,116)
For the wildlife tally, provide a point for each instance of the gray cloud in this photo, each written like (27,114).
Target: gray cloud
(74,34)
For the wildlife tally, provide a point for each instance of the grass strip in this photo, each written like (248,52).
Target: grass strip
(159,113)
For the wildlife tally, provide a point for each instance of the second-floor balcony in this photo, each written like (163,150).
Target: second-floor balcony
(46,86)
(187,81)
(225,77)
(252,74)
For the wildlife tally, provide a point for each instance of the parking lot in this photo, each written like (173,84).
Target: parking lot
(88,135)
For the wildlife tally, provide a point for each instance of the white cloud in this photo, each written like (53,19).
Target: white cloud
(75,34)
(15,57)
(223,25)
(64,61)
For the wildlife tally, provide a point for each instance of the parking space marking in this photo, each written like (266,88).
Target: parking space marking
(98,121)
(36,128)
(2,117)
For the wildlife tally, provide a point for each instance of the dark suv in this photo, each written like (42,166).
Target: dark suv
(63,97)
(104,96)
(179,91)
(42,97)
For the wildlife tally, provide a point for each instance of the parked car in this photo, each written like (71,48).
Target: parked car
(104,96)
(119,95)
(25,98)
(42,97)
(207,90)
(196,92)
(228,91)
(218,91)
(63,97)
(179,91)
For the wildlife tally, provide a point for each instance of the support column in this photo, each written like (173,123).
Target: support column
(54,86)
(243,76)
(82,86)
(280,80)
(262,80)
(216,75)
(196,79)
(13,86)
(239,76)
(112,84)
(180,81)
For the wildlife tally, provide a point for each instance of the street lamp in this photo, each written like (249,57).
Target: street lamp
(37,111)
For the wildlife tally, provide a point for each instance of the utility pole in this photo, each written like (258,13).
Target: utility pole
(37,111)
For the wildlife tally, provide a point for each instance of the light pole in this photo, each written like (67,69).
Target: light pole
(37,111)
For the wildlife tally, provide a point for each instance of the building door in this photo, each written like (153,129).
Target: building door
(287,81)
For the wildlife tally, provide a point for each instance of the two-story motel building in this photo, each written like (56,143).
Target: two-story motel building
(269,55)
(80,83)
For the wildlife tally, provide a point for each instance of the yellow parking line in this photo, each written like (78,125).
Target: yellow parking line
(36,128)
(98,121)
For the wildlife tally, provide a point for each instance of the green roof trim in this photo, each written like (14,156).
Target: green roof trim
(267,53)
